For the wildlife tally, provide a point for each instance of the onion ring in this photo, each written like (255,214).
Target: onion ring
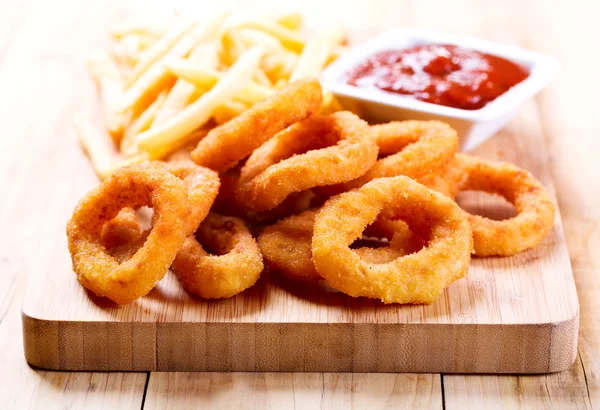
(319,151)
(233,141)
(203,186)
(133,186)
(397,233)
(413,149)
(416,278)
(379,255)
(447,179)
(287,245)
(120,230)
(227,202)
(534,207)
(122,236)
(235,266)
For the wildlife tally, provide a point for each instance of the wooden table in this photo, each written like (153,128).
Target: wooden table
(41,48)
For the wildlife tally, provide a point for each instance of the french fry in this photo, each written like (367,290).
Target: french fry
(288,38)
(152,83)
(166,43)
(186,141)
(126,52)
(261,78)
(186,77)
(228,110)
(199,112)
(154,29)
(315,54)
(279,65)
(193,72)
(206,78)
(183,92)
(330,103)
(313,59)
(141,124)
(146,41)
(233,47)
(207,55)
(157,155)
(178,98)
(110,82)
(252,37)
(100,151)
(157,76)
(145,121)
(102,155)
(291,20)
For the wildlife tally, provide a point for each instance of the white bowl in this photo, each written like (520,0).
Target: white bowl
(473,126)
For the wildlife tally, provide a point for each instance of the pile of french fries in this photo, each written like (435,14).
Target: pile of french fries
(165,86)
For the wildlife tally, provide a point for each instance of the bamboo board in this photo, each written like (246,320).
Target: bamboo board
(512,315)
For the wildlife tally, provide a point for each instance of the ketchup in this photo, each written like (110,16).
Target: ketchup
(440,74)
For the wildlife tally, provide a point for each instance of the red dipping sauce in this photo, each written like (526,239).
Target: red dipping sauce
(440,74)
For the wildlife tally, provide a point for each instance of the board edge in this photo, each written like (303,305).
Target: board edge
(316,347)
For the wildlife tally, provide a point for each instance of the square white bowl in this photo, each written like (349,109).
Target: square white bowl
(473,126)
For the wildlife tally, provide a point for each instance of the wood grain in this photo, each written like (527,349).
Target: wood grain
(565,390)
(23,387)
(294,390)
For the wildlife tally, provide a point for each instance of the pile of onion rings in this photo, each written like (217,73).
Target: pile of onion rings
(368,209)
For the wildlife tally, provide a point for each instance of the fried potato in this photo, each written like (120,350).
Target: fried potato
(200,111)
(163,81)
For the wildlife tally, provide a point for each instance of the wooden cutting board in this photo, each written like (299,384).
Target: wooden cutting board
(512,315)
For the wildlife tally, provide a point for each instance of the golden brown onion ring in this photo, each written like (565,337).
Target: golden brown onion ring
(202,185)
(534,207)
(233,141)
(122,229)
(121,236)
(234,265)
(410,148)
(416,278)
(133,187)
(287,249)
(319,151)
(413,149)
(227,202)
